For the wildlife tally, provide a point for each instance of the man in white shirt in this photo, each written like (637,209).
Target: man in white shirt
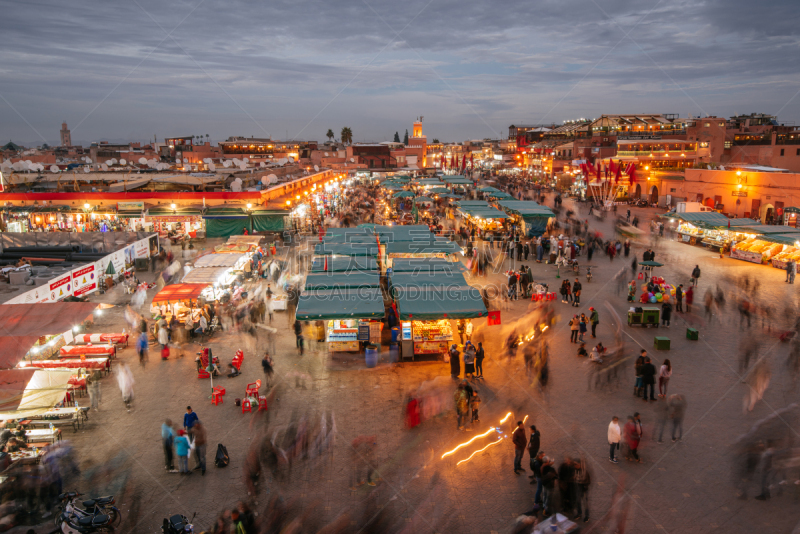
(614,435)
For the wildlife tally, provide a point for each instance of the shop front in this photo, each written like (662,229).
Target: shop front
(174,222)
(349,317)
(181,301)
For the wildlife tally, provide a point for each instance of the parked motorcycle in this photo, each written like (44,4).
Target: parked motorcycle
(177,524)
(73,524)
(92,508)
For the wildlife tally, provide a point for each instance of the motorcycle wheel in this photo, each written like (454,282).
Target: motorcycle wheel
(57,515)
(115,518)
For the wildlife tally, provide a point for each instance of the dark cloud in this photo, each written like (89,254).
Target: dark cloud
(243,67)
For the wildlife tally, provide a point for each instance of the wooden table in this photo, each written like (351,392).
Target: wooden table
(26,456)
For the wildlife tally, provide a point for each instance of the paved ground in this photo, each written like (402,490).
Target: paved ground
(682,487)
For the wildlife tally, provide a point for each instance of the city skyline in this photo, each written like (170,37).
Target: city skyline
(127,73)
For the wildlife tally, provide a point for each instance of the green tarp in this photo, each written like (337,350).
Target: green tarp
(438,191)
(430,304)
(524,207)
(421,200)
(484,212)
(350,238)
(270,220)
(536,225)
(499,196)
(358,230)
(783,239)
(766,229)
(428,279)
(425,265)
(488,189)
(346,249)
(458,181)
(344,264)
(224,213)
(403,194)
(431,246)
(340,304)
(403,232)
(226,227)
(318,281)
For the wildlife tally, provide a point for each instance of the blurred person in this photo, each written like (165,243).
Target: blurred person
(479,356)
(475,405)
(677,410)
(549,478)
(461,401)
(583,479)
(679,298)
(757,381)
(167,438)
(182,450)
(689,296)
(520,441)
(566,482)
(582,327)
(614,437)
(666,313)
(574,328)
(638,385)
(595,320)
(695,275)
(648,379)
(664,375)
(94,391)
(469,360)
(125,382)
(198,432)
(536,467)
(455,361)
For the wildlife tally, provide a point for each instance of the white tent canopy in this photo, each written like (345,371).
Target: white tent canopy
(44,389)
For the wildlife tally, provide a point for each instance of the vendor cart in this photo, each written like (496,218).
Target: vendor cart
(646,316)
(647,267)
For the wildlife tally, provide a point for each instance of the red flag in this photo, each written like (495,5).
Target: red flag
(632,173)
(618,172)
(599,178)
(472,161)
(463,163)
(493,318)
(611,167)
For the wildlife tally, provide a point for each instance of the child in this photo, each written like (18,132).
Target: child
(475,404)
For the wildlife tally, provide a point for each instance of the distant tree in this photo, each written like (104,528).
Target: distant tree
(347,135)
(208,137)
(330,135)
(435,141)
(405,139)
(396,137)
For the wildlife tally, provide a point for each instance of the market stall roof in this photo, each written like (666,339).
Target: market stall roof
(340,304)
(458,181)
(350,238)
(167,211)
(401,178)
(762,229)
(438,190)
(524,207)
(205,275)
(499,196)
(224,213)
(29,392)
(245,240)
(179,292)
(403,232)
(393,187)
(14,349)
(418,246)
(433,303)
(701,218)
(41,319)
(347,249)
(423,265)
(790,239)
(403,194)
(447,195)
(422,200)
(481,203)
(430,181)
(649,263)
(322,281)
(358,230)
(488,189)
(454,279)
(218,260)
(344,264)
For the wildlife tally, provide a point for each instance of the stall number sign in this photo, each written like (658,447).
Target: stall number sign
(363,332)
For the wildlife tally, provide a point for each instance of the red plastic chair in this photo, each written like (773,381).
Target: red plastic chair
(202,373)
(262,403)
(220,390)
(246,407)
(216,397)
(252,389)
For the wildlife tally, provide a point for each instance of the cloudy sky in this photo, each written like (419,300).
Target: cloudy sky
(131,70)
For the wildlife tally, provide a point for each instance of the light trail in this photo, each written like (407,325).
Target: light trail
(448,453)
(504,419)
(526,418)
(481,450)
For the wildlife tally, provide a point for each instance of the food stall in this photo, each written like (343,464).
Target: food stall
(434,247)
(758,244)
(427,302)
(170,222)
(348,315)
(181,300)
(531,216)
(482,215)
(233,261)
(790,216)
(790,248)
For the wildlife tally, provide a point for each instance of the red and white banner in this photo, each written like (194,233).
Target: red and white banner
(84,280)
(60,288)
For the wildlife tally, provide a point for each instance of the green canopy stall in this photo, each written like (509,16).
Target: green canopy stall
(344,264)
(347,249)
(534,216)
(342,312)
(336,280)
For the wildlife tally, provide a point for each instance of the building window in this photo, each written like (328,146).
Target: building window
(707,125)
(797,153)
(672,190)
(727,144)
(782,151)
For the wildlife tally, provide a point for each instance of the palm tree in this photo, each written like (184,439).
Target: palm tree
(330,135)
(207,137)
(347,135)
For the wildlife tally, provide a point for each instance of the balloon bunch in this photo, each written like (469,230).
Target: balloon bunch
(657,291)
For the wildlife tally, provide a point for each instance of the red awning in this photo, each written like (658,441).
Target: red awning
(14,349)
(178,292)
(12,385)
(42,319)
